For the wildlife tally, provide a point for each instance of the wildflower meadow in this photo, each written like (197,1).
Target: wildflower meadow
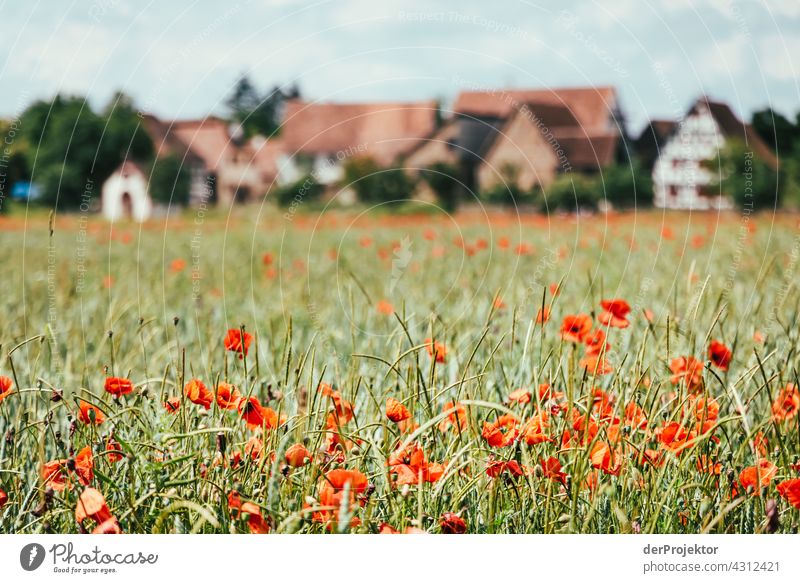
(370,372)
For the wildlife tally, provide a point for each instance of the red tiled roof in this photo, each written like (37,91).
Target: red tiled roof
(731,126)
(385,130)
(592,107)
(208,138)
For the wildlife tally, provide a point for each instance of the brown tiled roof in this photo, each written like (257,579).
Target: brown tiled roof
(588,152)
(208,138)
(592,107)
(385,130)
(265,156)
(731,126)
(166,141)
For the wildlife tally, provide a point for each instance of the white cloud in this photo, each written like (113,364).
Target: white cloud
(778,56)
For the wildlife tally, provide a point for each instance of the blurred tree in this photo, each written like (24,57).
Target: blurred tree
(445,180)
(625,185)
(258,114)
(777,131)
(375,184)
(170,180)
(746,178)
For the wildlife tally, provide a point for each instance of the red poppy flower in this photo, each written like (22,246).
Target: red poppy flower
(396,411)
(604,457)
(92,504)
(113,451)
(754,478)
(332,492)
(456,417)
(452,523)
(3,498)
(596,342)
(535,429)
(551,468)
(596,365)
(236,341)
(788,489)
(118,386)
(6,387)
(707,465)
(786,404)
(84,466)
(503,432)
(297,455)
(719,354)
(256,416)
(89,414)
(675,437)
(385,308)
(172,405)
(520,397)
(615,313)
(574,328)
(687,369)
(496,467)
(55,475)
(435,349)
(542,315)
(198,393)
(228,396)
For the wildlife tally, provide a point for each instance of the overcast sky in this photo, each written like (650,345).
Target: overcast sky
(179,59)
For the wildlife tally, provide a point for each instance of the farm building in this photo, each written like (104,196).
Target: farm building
(681,179)
(125,196)
(526,136)
(317,138)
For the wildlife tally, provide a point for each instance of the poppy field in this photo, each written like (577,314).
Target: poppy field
(379,373)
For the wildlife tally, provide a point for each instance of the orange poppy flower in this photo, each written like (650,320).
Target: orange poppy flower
(198,393)
(297,455)
(551,468)
(55,475)
(688,369)
(92,504)
(3,498)
(177,265)
(615,313)
(542,315)
(456,417)
(719,354)
(596,365)
(228,396)
(435,349)
(254,447)
(410,466)
(502,433)
(396,411)
(788,489)
(786,404)
(596,342)
(535,430)
(172,405)
(84,466)
(256,416)
(754,478)
(384,307)
(574,328)
(332,492)
(704,409)
(6,387)
(89,414)
(635,416)
(603,457)
(520,397)
(235,341)
(452,523)
(496,467)
(707,465)
(113,451)
(255,520)
(118,386)
(675,437)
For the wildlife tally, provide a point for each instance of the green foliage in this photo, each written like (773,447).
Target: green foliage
(625,186)
(777,131)
(170,180)
(374,184)
(746,178)
(69,146)
(445,180)
(304,191)
(571,192)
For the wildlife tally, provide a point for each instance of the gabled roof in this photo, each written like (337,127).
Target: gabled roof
(732,127)
(208,138)
(592,107)
(166,141)
(660,129)
(385,130)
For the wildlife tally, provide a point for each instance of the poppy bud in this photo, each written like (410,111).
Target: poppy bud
(56,396)
(222,443)
(773,516)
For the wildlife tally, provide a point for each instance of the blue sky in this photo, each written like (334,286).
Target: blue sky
(179,59)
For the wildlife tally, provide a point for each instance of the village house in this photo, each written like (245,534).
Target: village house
(528,137)
(681,178)
(318,138)
(125,195)
(224,168)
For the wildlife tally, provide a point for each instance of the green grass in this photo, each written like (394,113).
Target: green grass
(313,313)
